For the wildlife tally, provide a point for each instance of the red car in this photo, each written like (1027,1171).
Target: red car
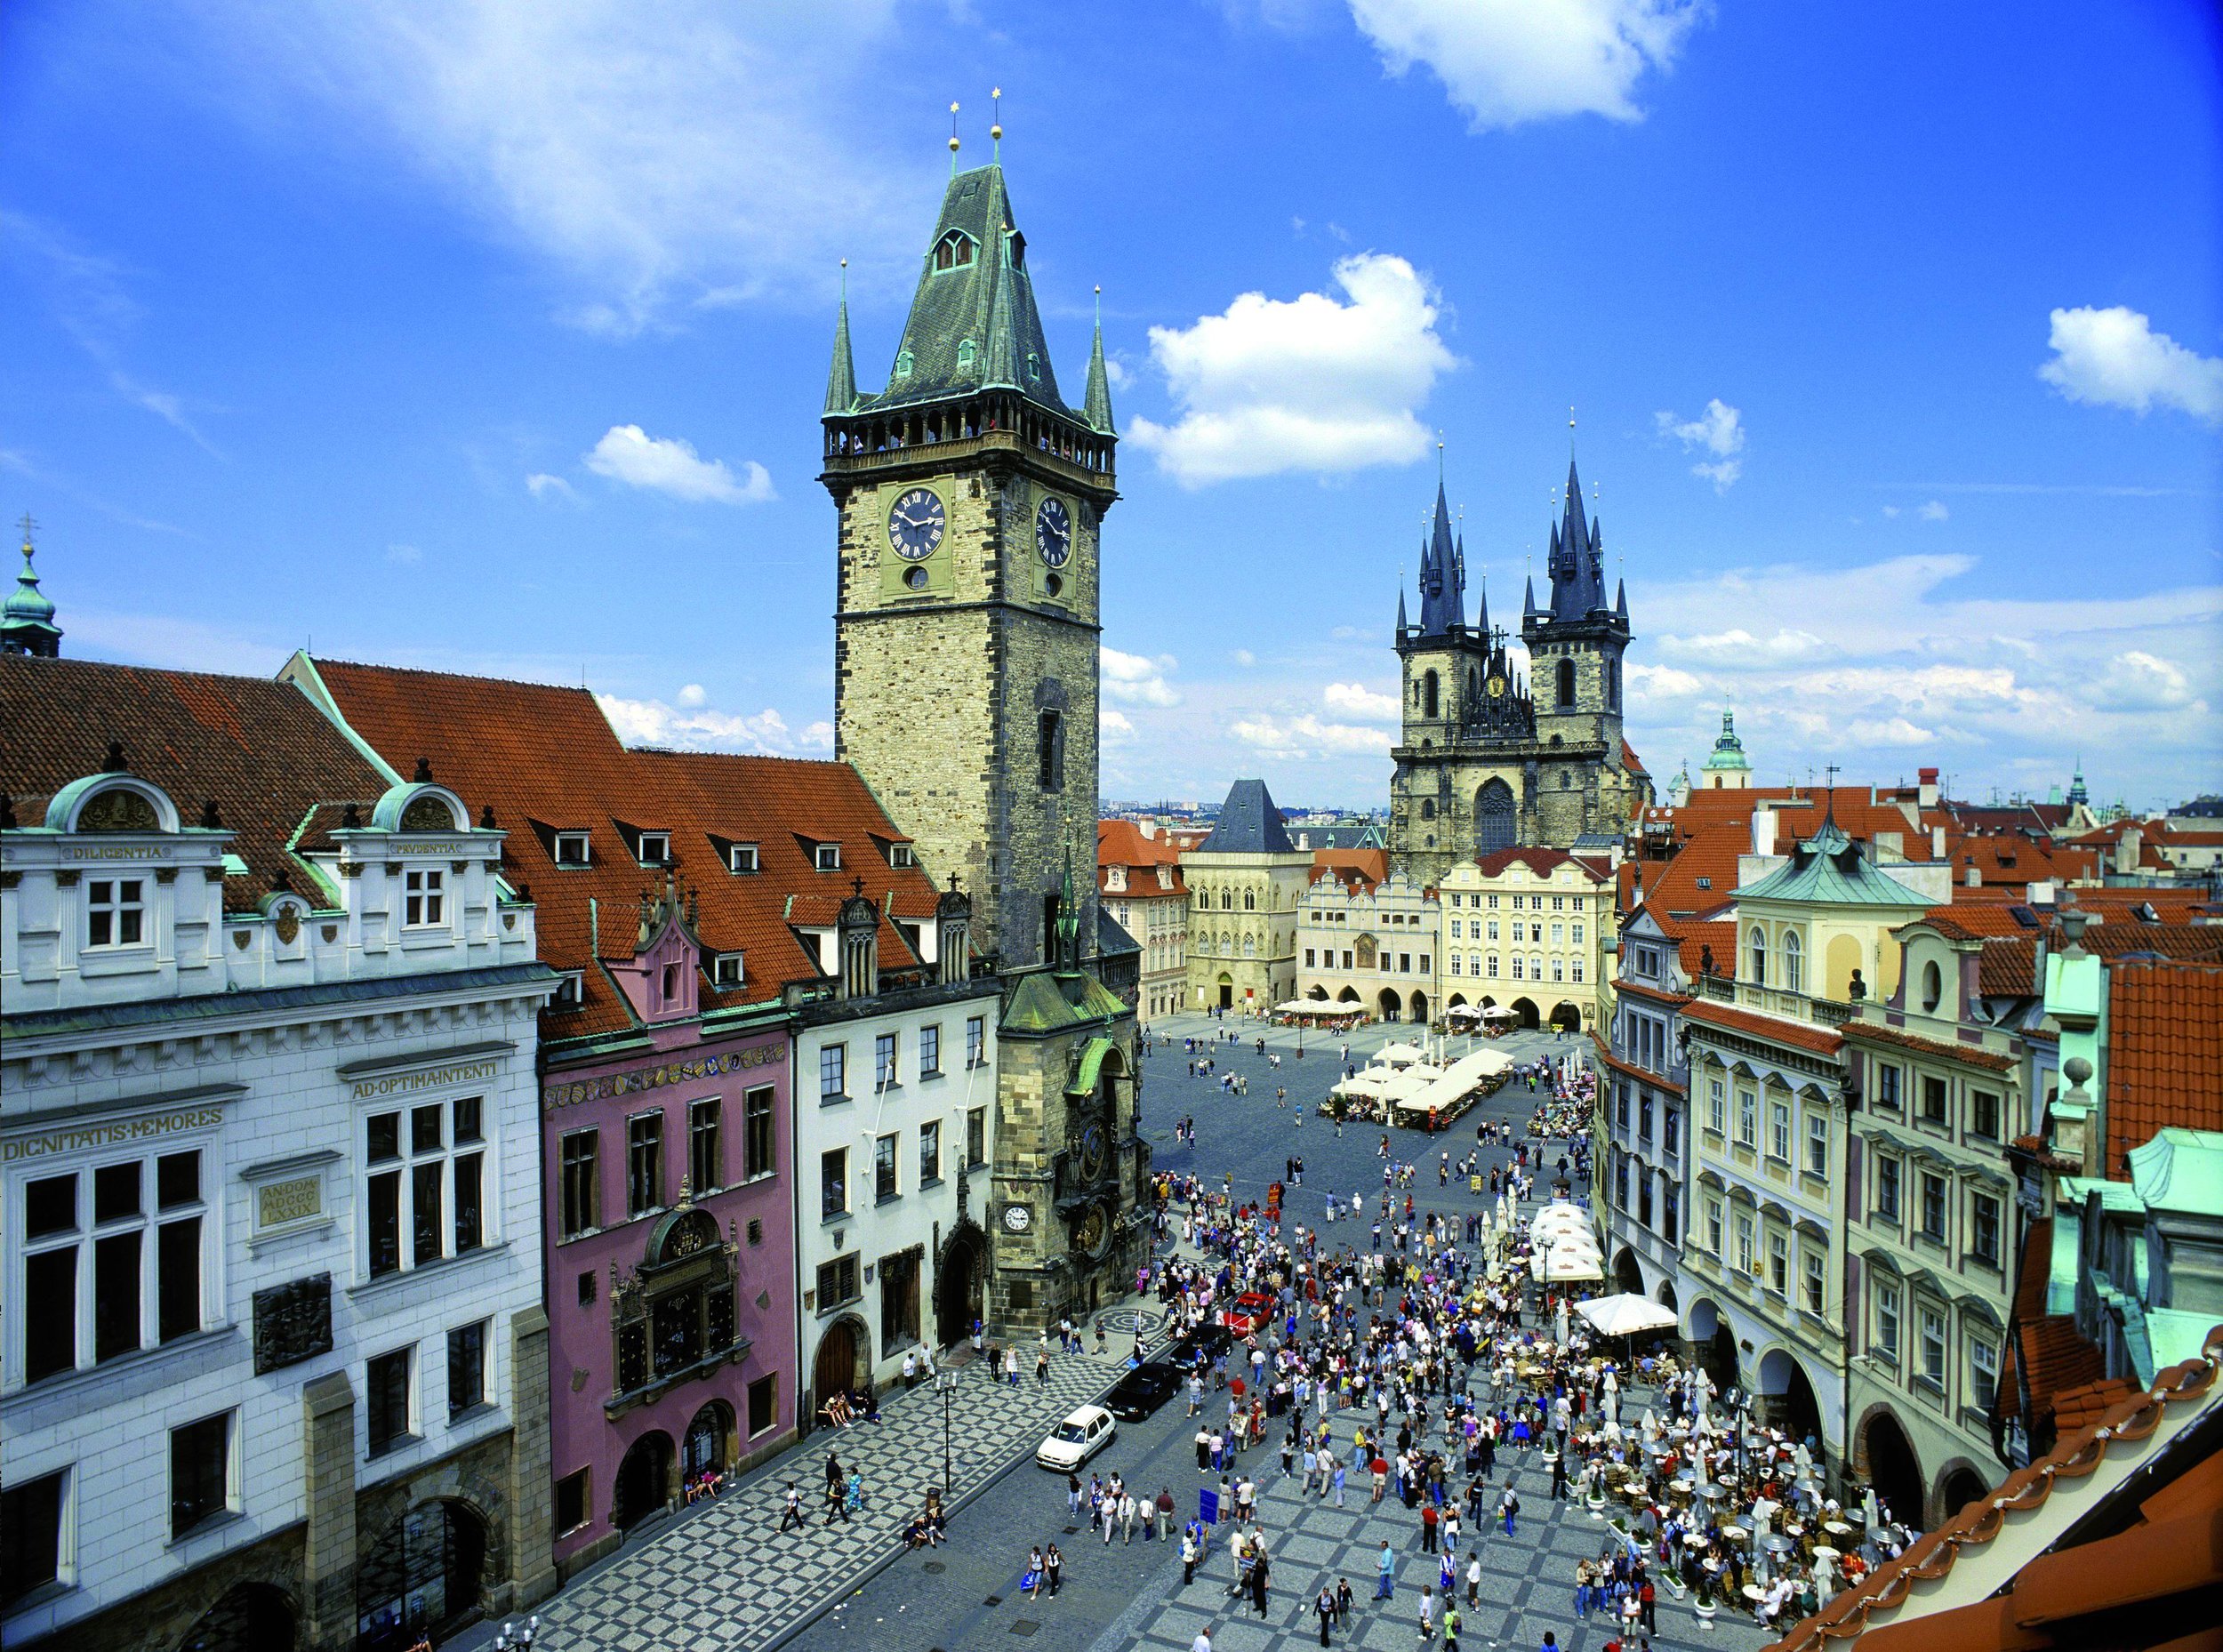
(1248,1312)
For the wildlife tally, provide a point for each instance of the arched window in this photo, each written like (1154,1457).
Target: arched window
(1227,900)
(1566,683)
(953,251)
(1791,978)
(1250,901)
(1427,808)
(1250,946)
(1428,694)
(1759,955)
(1496,823)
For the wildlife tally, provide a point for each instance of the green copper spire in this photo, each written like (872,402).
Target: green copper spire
(1068,938)
(1098,405)
(26,619)
(841,382)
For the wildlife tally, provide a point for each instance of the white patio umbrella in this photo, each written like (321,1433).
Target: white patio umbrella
(1626,1315)
(1566,1264)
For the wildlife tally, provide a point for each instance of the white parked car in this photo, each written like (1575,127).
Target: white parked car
(1077,1438)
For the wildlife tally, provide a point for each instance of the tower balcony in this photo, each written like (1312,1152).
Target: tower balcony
(934,436)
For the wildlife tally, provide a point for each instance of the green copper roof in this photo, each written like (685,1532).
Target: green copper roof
(841,381)
(2179,1169)
(28,609)
(1098,406)
(1091,1068)
(1729,751)
(1045,1001)
(1828,870)
(973,325)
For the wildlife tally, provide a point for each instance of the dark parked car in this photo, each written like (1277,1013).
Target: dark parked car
(1142,1390)
(1206,1342)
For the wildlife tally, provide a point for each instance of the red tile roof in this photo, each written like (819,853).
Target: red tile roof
(1121,843)
(1630,761)
(2049,1353)
(2081,1407)
(2165,1053)
(2007,967)
(1544,862)
(1799,1034)
(2157,1575)
(547,760)
(1370,866)
(1862,1032)
(256,748)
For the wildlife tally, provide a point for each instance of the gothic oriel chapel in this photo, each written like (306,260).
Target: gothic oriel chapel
(971,500)
(1485,760)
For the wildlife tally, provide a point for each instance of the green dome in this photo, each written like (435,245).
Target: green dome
(1729,751)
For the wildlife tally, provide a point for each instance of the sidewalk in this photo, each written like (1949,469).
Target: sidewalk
(725,1576)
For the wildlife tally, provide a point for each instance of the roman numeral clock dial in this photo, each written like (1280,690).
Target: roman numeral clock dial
(914,527)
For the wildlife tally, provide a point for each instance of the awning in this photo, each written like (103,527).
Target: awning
(1085,1076)
(1626,1315)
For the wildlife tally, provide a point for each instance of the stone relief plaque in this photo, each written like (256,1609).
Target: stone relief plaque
(292,1322)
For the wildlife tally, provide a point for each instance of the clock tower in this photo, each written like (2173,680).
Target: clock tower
(971,500)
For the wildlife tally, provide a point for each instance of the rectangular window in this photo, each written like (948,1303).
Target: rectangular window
(726,970)
(466,1368)
(1779,1262)
(833,1182)
(833,1072)
(1747,1118)
(1934,1346)
(383,1226)
(1671,1134)
(1716,1107)
(827,857)
(884,1169)
(1816,1146)
(1933,1099)
(1747,1262)
(386,1399)
(1455,963)
(425,1180)
(1984,1114)
(901,855)
(929,1052)
(116,912)
(976,1137)
(30,1535)
(976,1041)
(883,1060)
(571,849)
(1983,1373)
(582,1187)
(1493,907)
(655,848)
(1577,936)
(1933,1206)
(200,1472)
(1713,1226)
(1493,965)
(764,1405)
(706,1147)
(574,1500)
(117,1265)
(742,857)
(1815,1273)
(838,1282)
(1308,957)
(178,1278)
(1984,1228)
(1669,1213)
(1886,1321)
(1887,1082)
(1779,1131)
(49,1312)
(423,901)
(644,1162)
(929,1153)
(1886,1189)
(759,1146)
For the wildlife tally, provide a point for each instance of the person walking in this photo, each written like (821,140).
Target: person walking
(1031,1584)
(1428,1518)
(1509,1506)
(794,1515)
(1052,1569)
(1387,1567)
(1427,1612)
(1042,1365)
(1188,1558)
(1450,1627)
(1259,1571)
(1324,1609)
(1473,1576)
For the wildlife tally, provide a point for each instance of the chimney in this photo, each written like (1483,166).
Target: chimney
(2041,893)
(1763,832)
(1937,843)
(1973,877)
(1927,786)
(2129,850)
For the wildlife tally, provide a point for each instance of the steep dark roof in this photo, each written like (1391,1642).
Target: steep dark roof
(258,748)
(1248,824)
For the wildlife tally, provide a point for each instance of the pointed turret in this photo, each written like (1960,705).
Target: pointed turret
(1482,604)
(1401,627)
(1097,407)
(841,381)
(1442,593)
(1528,600)
(26,619)
(1621,600)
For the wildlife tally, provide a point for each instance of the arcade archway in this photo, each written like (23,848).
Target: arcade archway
(1420,1009)
(845,1359)
(1783,1382)
(960,1278)
(423,1577)
(1388,1003)
(1525,1013)
(1567,1017)
(643,1481)
(1892,1467)
(1626,1275)
(1960,1486)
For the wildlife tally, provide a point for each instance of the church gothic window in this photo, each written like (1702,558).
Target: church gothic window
(1566,684)
(1051,750)
(1495,822)
(1428,689)
(953,252)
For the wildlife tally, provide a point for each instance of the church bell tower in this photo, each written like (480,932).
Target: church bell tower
(971,498)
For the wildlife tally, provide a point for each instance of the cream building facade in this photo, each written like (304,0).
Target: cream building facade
(1246,881)
(1371,947)
(1527,930)
(1139,882)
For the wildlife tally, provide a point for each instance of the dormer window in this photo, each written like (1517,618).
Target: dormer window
(571,990)
(572,849)
(1034,366)
(116,912)
(742,858)
(827,857)
(904,362)
(424,898)
(1018,250)
(655,848)
(726,970)
(954,251)
(966,351)
(901,856)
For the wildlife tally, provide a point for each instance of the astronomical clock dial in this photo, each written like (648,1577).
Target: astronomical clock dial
(1054,533)
(1092,1231)
(1093,1149)
(1017,1217)
(914,527)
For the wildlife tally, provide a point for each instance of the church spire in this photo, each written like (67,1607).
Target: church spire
(841,381)
(1442,577)
(26,619)
(1097,405)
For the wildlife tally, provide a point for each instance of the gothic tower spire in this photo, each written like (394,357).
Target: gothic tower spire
(841,381)
(1096,406)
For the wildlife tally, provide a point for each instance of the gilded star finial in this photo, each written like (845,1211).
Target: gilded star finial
(995,117)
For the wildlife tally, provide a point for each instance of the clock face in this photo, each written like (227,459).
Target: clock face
(914,527)
(1092,1154)
(1016,1218)
(1054,533)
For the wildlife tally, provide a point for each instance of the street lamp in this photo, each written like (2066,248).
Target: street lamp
(946,1382)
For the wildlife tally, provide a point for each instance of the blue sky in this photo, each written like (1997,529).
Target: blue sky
(494,340)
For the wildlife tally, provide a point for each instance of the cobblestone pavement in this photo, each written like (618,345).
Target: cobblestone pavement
(727,1577)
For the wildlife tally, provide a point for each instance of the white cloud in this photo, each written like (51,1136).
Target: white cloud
(1116,372)
(1737,645)
(407,555)
(692,695)
(1113,726)
(1244,658)
(1934,511)
(669,465)
(1357,700)
(1507,61)
(1889,512)
(1719,430)
(1138,680)
(2114,359)
(692,726)
(1308,737)
(2138,681)
(1648,684)
(542,486)
(658,157)
(1313,383)
(1889,732)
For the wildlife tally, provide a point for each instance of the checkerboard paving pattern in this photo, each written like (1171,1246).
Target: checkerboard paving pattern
(727,1578)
